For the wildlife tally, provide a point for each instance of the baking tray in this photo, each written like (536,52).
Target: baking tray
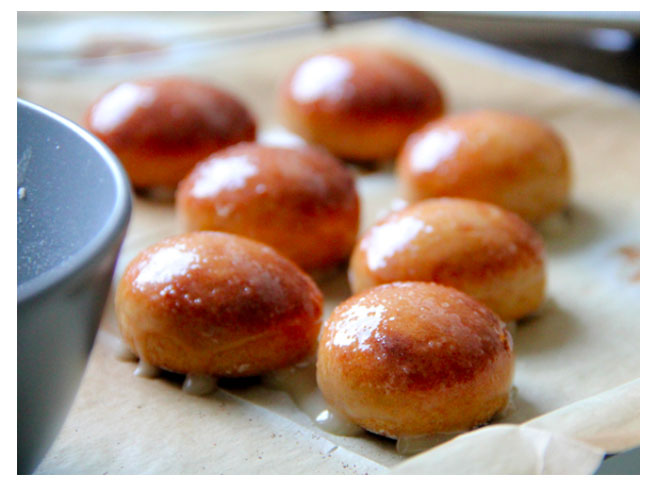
(577,367)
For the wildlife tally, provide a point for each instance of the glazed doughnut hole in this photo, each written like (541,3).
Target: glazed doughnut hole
(360,103)
(514,161)
(413,359)
(160,128)
(479,248)
(301,201)
(209,304)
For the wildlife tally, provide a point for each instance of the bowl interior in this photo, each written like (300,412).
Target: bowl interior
(68,192)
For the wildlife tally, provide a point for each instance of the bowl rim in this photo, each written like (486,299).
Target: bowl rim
(113,226)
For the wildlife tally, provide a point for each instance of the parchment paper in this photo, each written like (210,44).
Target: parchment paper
(577,367)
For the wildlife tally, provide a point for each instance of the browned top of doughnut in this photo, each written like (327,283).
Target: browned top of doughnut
(362,82)
(219,284)
(414,336)
(446,239)
(168,116)
(462,147)
(305,179)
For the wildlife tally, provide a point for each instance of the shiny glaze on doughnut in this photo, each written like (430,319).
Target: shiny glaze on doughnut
(160,128)
(481,249)
(211,303)
(510,160)
(301,201)
(415,358)
(360,102)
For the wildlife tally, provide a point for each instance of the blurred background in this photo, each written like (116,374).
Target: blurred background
(604,45)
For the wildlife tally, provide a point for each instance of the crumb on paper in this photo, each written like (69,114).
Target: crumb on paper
(631,255)
(630,252)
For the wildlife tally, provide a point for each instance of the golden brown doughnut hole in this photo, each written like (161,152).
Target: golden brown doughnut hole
(160,128)
(301,201)
(360,103)
(212,303)
(510,160)
(481,249)
(414,358)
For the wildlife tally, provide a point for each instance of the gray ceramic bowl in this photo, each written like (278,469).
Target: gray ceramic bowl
(73,208)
